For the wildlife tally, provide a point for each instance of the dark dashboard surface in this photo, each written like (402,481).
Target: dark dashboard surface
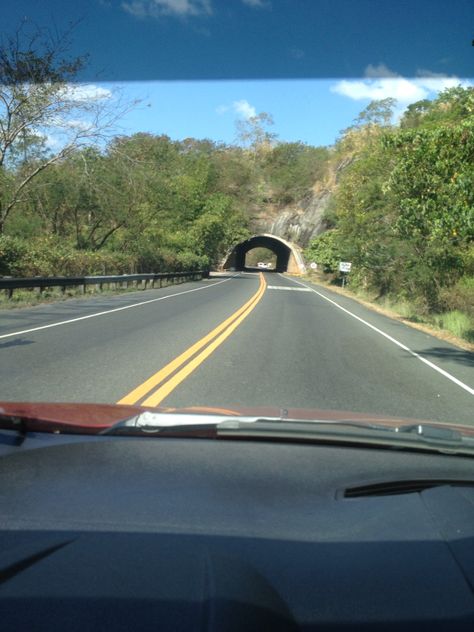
(191,534)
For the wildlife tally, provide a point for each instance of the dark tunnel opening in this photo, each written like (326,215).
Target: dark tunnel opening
(237,258)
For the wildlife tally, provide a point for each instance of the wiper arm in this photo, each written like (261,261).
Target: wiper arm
(166,424)
(418,436)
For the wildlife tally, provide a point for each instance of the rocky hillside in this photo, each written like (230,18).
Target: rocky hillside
(297,223)
(300,221)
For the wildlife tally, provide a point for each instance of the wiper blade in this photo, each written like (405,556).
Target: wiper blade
(344,431)
(155,423)
(183,423)
(432,434)
(418,436)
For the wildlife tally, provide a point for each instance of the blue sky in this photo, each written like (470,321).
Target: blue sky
(304,110)
(313,111)
(204,39)
(198,65)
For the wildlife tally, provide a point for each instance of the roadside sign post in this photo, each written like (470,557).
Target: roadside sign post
(344,268)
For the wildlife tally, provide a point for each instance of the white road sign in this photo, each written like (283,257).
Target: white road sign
(313,265)
(345,266)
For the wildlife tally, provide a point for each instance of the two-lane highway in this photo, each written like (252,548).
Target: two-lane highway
(237,340)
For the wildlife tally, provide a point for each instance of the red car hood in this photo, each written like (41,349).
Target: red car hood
(92,418)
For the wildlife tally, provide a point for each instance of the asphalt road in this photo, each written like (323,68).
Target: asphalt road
(236,340)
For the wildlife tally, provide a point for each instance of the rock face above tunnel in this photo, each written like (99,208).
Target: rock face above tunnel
(298,223)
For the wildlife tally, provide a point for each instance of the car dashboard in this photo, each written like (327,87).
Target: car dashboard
(121,533)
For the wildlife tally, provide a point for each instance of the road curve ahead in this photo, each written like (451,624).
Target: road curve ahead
(233,340)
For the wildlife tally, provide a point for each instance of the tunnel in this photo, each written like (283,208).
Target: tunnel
(288,256)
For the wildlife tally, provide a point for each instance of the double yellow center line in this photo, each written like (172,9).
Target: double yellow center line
(170,376)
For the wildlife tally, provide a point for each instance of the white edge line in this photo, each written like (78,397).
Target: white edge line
(111,311)
(397,342)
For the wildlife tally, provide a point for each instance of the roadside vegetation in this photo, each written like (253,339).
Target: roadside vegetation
(403,210)
(76,197)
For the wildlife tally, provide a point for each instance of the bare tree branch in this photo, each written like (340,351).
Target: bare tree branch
(39,105)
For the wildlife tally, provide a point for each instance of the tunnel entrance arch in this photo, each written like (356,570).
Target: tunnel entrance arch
(288,255)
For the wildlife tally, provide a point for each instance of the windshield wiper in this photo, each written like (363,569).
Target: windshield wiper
(417,436)
(426,437)
(182,424)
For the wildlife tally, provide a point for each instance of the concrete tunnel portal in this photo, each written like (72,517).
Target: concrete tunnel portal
(288,255)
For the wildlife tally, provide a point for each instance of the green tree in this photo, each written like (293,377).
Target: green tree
(253,132)
(38,101)
(415,114)
(433,183)
(293,168)
(378,112)
(326,250)
(218,228)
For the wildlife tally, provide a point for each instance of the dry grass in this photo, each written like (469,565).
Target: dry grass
(454,327)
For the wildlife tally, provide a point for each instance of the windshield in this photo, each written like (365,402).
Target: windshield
(240,208)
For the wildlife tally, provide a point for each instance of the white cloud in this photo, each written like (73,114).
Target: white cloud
(79,125)
(375,89)
(434,82)
(382,83)
(242,108)
(87,92)
(159,8)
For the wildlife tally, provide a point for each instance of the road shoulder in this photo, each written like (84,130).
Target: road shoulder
(441,334)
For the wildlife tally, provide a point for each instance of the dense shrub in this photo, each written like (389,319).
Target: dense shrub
(48,257)
(459,297)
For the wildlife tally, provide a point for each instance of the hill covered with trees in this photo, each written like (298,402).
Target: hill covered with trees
(403,210)
(398,198)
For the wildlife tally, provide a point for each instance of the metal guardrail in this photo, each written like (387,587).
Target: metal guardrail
(123,280)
